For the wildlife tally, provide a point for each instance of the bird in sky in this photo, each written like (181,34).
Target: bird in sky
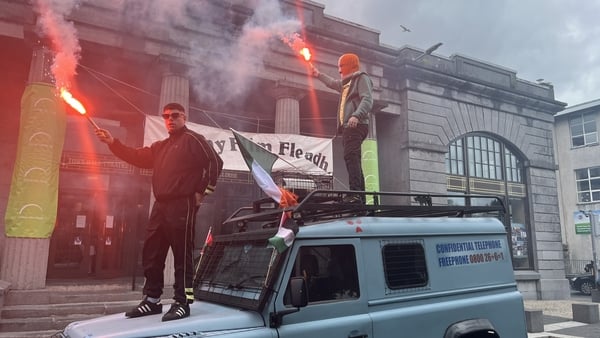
(404,29)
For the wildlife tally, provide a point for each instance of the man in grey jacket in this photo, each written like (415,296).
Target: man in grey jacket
(355,104)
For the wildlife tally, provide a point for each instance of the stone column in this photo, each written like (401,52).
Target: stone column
(24,261)
(287,109)
(174,88)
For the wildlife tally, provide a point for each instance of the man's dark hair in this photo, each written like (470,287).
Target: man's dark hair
(174,106)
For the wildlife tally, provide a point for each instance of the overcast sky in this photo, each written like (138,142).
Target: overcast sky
(554,40)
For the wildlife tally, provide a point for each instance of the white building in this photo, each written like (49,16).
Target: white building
(578,174)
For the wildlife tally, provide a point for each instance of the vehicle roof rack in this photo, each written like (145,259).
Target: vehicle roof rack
(321,205)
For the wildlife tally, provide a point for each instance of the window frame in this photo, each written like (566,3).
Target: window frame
(589,128)
(485,157)
(589,180)
(512,185)
(324,275)
(399,272)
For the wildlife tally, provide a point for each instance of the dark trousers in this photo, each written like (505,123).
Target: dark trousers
(352,139)
(171,224)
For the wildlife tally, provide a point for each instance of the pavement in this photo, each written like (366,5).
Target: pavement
(558,319)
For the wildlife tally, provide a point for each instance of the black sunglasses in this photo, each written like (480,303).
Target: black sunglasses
(172,115)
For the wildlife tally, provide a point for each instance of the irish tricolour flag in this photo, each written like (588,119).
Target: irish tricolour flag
(260,161)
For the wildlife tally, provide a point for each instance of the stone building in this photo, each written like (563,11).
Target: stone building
(441,124)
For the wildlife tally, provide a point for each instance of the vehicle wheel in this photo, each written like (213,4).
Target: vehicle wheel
(586,288)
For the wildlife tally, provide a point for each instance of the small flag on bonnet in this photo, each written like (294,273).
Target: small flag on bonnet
(285,236)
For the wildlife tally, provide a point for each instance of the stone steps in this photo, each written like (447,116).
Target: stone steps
(41,313)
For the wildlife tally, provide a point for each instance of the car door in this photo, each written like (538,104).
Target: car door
(337,301)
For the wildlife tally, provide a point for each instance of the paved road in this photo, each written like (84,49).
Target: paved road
(558,318)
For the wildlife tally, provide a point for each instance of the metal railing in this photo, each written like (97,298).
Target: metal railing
(575,266)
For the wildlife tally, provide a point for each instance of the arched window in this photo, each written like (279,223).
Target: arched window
(482,165)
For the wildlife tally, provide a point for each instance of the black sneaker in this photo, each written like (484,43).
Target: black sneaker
(145,308)
(177,311)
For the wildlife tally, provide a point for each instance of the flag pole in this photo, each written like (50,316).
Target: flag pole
(206,243)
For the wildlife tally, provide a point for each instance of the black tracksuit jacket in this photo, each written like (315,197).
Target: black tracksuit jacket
(183,164)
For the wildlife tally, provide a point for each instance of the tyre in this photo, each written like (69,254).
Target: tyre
(586,287)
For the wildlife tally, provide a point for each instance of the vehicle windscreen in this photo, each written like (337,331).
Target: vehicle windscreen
(237,269)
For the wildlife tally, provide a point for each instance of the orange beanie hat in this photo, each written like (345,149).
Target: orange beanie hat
(351,61)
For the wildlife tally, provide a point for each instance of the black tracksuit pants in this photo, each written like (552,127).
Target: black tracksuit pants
(352,139)
(171,224)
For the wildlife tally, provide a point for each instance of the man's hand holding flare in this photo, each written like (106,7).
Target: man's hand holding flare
(313,69)
(105,136)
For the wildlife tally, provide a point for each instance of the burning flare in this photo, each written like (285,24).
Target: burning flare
(297,44)
(73,102)
(306,53)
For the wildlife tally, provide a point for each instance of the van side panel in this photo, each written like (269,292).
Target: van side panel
(467,276)
(431,316)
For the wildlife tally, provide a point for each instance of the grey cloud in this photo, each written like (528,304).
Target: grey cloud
(551,39)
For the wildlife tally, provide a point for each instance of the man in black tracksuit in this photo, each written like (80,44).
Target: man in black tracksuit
(185,169)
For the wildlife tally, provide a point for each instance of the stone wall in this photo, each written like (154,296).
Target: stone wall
(443,106)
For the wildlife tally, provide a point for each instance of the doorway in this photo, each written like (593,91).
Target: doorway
(97,232)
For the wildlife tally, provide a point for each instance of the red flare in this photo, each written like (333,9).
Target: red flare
(306,53)
(76,104)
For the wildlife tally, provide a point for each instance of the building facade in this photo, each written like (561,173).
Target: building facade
(576,142)
(441,124)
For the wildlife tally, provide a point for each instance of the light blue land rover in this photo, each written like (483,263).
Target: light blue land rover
(404,266)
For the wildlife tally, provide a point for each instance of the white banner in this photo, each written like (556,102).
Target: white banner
(296,152)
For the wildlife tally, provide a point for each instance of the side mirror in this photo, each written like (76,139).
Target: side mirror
(298,292)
